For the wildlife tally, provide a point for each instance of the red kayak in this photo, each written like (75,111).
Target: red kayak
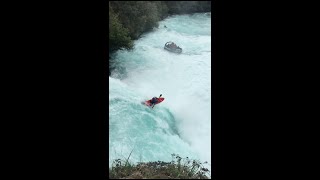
(148,102)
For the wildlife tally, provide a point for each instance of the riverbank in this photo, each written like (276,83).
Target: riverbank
(178,168)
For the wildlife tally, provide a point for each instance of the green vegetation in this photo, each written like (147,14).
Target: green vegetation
(129,19)
(178,168)
(118,34)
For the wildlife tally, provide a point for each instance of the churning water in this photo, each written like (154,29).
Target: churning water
(181,124)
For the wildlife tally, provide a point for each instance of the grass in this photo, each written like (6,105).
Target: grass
(178,168)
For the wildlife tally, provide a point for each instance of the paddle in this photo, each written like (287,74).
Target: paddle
(159,97)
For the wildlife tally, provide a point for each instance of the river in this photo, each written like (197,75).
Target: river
(181,124)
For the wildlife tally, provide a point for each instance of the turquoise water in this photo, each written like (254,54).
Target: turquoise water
(181,124)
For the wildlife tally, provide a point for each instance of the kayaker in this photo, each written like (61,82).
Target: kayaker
(154,100)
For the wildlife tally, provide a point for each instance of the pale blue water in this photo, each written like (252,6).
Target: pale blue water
(181,124)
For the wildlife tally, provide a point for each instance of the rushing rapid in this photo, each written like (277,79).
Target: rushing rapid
(181,124)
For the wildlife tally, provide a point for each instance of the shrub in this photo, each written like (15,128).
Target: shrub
(178,168)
